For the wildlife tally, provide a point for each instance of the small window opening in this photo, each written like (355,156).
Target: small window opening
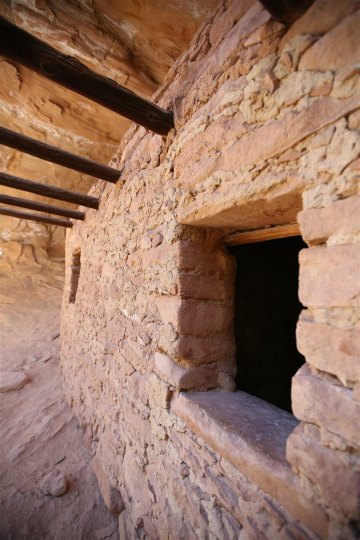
(75,273)
(266,312)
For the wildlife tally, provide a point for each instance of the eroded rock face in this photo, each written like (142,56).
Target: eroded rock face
(132,43)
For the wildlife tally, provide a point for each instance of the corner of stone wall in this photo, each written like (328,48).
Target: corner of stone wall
(196,349)
(325,449)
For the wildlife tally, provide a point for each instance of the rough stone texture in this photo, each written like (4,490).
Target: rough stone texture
(336,49)
(341,220)
(184,378)
(256,141)
(229,425)
(54,484)
(111,496)
(311,395)
(114,39)
(330,349)
(338,482)
(328,276)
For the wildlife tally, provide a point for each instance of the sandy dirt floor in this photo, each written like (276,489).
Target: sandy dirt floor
(41,448)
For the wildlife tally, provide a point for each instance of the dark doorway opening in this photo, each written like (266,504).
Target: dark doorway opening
(266,312)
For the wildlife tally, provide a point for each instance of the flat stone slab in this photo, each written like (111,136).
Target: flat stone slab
(12,380)
(251,434)
(246,420)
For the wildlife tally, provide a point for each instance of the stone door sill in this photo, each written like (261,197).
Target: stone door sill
(251,434)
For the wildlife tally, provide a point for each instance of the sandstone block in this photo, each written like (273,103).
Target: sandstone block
(135,482)
(338,482)
(10,76)
(311,396)
(111,495)
(137,423)
(143,339)
(226,380)
(137,388)
(342,217)
(279,135)
(195,318)
(227,19)
(331,349)
(236,208)
(110,347)
(133,353)
(159,255)
(252,19)
(204,287)
(320,18)
(204,350)
(251,435)
(12,380)
(206,260)
(119,367)
(354,120)
(159,392)
(301,83)
(54,484)
(180,377)
(329,276)
(338,47)
(221,489)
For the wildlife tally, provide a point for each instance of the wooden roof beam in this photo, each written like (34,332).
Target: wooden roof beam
(262,235)
(49,208)
(24,48)
(56,155)
(52,192)
(34,217)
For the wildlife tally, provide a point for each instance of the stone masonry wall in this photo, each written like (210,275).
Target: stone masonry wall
(267,132)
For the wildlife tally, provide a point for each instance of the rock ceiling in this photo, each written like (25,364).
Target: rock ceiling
(134,42)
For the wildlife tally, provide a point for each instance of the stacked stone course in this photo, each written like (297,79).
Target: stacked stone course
(267,133)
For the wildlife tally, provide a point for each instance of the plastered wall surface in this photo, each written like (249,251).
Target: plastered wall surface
(267,132)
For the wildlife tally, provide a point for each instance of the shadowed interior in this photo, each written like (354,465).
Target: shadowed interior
(266,312)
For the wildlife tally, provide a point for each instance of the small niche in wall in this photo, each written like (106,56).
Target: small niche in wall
(75,273)
(266,312)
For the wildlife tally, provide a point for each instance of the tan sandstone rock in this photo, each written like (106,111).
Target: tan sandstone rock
(339,484)
(185,378)
(311,396)
(328,348)
(111,495)
(12,380)
(341,218)
(337,48)
(329,276)
(54,484)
